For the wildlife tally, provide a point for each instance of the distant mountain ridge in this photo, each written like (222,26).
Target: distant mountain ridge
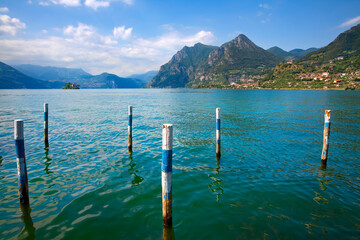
(280,53)
(107,80)
(51,73)
(146,77)
(53,77)
(10,78)
(298,53)
(293,54)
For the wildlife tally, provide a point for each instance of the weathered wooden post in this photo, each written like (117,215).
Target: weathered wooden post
(218,154)
(21,163)
(46,124)
(166,174)
(325,149)
(130,129)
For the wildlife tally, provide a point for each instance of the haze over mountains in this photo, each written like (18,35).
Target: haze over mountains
(37,77)
(10,78)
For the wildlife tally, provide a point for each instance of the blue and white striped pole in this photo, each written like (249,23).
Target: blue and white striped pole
(218,154)
(21,163)
(130,129)
(46,124)
(166,173)
(324,153)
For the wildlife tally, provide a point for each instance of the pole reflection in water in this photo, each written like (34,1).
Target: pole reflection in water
(47,161)
(28,232)
(168,233)
(132,171)
(318,214)
(215,185)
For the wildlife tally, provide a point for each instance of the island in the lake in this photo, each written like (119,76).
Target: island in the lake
(71,86)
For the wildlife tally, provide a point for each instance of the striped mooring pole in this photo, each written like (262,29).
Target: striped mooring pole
(21,163)
(166,174)
(218,154)
(325,149)
(46,124)
(130,129)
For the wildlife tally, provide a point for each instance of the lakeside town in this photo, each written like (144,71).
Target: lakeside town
(291,75)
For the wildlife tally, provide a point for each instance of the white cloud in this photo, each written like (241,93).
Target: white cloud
(10,26)
(68,3)
(174,40)
(4,9)
(87,35)
(265,6)
(42,3)
(82,46)
(350,22)
(80,32)
(122,32)
(95,4)
(128,2)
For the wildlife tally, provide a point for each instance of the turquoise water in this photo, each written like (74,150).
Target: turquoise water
(267,185)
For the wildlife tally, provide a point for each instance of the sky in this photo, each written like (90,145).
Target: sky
(124,37)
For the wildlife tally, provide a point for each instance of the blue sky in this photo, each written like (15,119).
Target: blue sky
(135,36)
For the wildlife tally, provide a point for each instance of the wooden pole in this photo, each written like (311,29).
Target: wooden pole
(324,153)
(218,154)
(21,163)
(46,124)
(168,233)
(130,129)
(166,174)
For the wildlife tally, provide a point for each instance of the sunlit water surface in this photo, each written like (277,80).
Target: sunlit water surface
(267,185)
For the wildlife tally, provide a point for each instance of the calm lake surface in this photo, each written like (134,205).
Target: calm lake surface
(267,184)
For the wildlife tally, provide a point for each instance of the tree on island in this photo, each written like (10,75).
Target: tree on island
(71,86)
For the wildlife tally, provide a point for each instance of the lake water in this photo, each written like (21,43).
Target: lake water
(267,185)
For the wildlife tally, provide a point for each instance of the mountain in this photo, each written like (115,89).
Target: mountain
(346,45)
(51,73)
(107,80)
(146,77)
(11,78)
(234,61)
(182,66)
(281,53)
(298,53)
(204,65)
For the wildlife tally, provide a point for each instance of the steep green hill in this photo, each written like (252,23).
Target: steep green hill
(11,78)
(336,65)
(346,45)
